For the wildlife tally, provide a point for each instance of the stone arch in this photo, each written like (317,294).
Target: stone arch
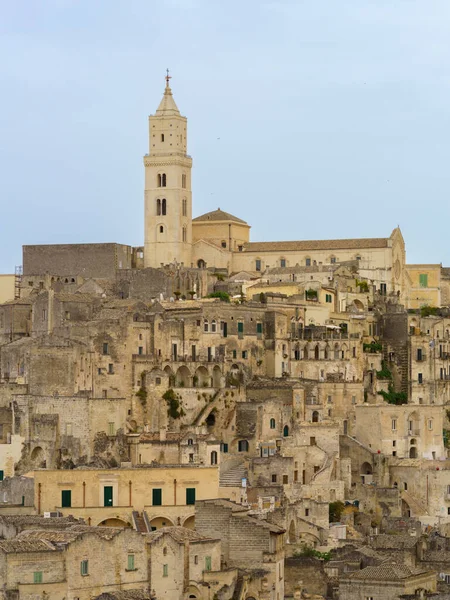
(183,377)
(210,419)
(359,306)
(366,468)
(170,374)
(201,264)
(217,377)
(194,592)
(189,522)
(114,522)
(315,416)
(202,377)
(158,522)
(413,452)
(38,457)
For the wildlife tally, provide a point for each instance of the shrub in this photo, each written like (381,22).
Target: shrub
(223,296)
(335,511)
(173,404)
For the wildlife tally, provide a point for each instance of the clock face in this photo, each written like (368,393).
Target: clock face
(397,269)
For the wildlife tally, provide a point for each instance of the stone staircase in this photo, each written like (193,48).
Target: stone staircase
(233,477)
(139,522)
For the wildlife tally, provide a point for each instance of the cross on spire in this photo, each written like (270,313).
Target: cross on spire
(168,77)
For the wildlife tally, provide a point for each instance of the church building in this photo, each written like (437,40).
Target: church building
(220,240)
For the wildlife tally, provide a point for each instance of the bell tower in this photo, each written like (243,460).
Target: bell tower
(168,197)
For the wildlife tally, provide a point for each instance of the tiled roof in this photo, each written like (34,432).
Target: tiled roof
(16,545)
(390,542)
(386,572)
(55,522)
(217,215)
(179,534)
(356,244)
(124,595)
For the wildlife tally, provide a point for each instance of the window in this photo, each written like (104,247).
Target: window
(240,248)
(191,458)
(430,424)
(259,330)
(405,486)
(111,429)
(184,207)
(165,570)
(394,424)
(110,368)
(419,378)
(244,354)
(306,512)
(274,478)
(272,423)
(308,262)
(141,350)
(161,229)
(158,207)
(240,329)
(333,260)
(258,264)
(190,442)
(130,563)
(44,314)
(223,244)
(37,577)
(285,479)
(84,568)
(206,326)
(105,348)
(224,448)
(282,263)
(184,233)
(353,399)
(162,137)
(328,298)
(104,393)
(213,326)
(423,280)
(66,498)
(183,181)
(163,206)
(207,563)
(214,457)
(156,497)
(190,496)
(162,180)
(419,354)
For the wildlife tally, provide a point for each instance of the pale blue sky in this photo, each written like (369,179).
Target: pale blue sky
(333,116)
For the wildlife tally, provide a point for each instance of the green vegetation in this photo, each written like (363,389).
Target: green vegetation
(429,311)
(223,296)
(312,553)
(142,392)
(373,347)
(335,511)
(174,408)
(393,397)
(446,437)
(385,373)
(363,286)
(311,293)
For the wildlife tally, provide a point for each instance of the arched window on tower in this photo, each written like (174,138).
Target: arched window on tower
(163,207)
(162,180)
(183,181)
(184,233)
(184,207)
(161,229)
(158,207)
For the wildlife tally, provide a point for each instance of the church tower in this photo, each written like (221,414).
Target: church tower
(168,197)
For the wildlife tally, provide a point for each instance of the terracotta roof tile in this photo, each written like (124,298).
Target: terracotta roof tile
(218,215)
(356,244)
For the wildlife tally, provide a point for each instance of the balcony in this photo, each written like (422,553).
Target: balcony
(313,402)
(413,432)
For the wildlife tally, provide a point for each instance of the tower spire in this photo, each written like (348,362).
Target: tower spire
(168,78)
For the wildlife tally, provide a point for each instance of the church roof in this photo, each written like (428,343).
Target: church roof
(218,215)
(356,244)
(167,105)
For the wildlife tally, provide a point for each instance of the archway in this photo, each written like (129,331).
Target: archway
(327,352)
(210,419)
(413,452)
(158,522)
(316,352)
(359,306)
(202,377)
(183,377)
(189,523)
(170,374)
(337,352)
(201,264)
(37,456)
(217,377)
(114,522)
(315,417)
(366,468)
(285,431)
